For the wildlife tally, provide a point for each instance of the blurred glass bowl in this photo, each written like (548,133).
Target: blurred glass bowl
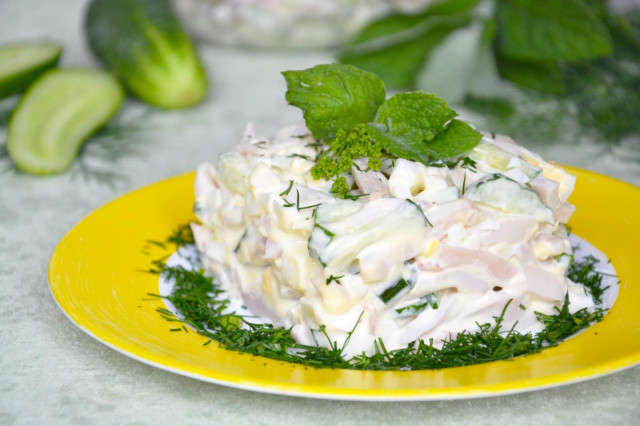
(283,23)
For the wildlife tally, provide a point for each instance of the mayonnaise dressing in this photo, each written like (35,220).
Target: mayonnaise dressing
(427,253)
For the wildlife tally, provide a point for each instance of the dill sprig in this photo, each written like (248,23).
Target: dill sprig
(585,273)
(181,236)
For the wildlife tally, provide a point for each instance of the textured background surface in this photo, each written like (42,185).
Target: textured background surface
(52,373)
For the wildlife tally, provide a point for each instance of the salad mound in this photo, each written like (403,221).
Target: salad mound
(385,222)
(413,252)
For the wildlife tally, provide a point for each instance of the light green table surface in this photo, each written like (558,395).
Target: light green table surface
(52,373)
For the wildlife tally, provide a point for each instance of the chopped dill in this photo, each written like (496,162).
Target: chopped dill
(313,206)
(304,157)
(464,183)
(181,236)
(333,279)
(584,272)
(204,307)
(287,203)
(237,248)
(469,164)
(286,191)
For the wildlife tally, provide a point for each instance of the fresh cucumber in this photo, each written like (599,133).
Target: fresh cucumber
(509,196)
(143,42)
(390,293)
(414,307)
(58,112)
(344,228)
(21,63)
(501,160)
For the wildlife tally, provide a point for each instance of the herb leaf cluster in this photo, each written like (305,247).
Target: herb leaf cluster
(523,36)
(345,107)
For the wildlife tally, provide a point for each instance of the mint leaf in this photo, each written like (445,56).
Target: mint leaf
(401,146)
(345,106)
(550,30)
(334,97)
(544,76)
(397,47)
(398,23)
(456,139)
(449,7)
(412,126)
(416,115)
(393,25)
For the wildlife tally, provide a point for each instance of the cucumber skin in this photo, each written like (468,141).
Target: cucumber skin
(120,35)
(18,83)
(11,142)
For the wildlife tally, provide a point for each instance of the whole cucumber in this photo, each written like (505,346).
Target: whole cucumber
(144,44)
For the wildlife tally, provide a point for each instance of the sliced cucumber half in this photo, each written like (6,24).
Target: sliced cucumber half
(21,63)
(344,228)
(499,159)
(59,111)
(509,196)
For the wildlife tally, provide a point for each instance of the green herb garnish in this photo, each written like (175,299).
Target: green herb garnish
(345,107)
(526,40)
(585,273)
(333,279)
(429,300)
(204,307)
(286,191)
(337,160)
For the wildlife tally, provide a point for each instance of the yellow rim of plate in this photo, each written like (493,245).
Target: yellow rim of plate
(96,276)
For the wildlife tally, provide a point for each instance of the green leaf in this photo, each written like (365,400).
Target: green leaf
(394,24)
(397,47)
(550,30)
(450,7)
(544,76)
(401,146)
(398,22)
(412,126)
(456,139)
(334,97)
(416,115)
(498,107)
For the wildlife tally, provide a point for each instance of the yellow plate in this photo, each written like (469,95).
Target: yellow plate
(95,276)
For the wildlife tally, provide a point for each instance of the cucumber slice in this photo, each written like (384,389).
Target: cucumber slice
(21,63)
(499,159)
(414,307)
(59,111)
(344,228)
(509,196)
(390,293)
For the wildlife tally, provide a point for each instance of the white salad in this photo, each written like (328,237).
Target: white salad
(417,252)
